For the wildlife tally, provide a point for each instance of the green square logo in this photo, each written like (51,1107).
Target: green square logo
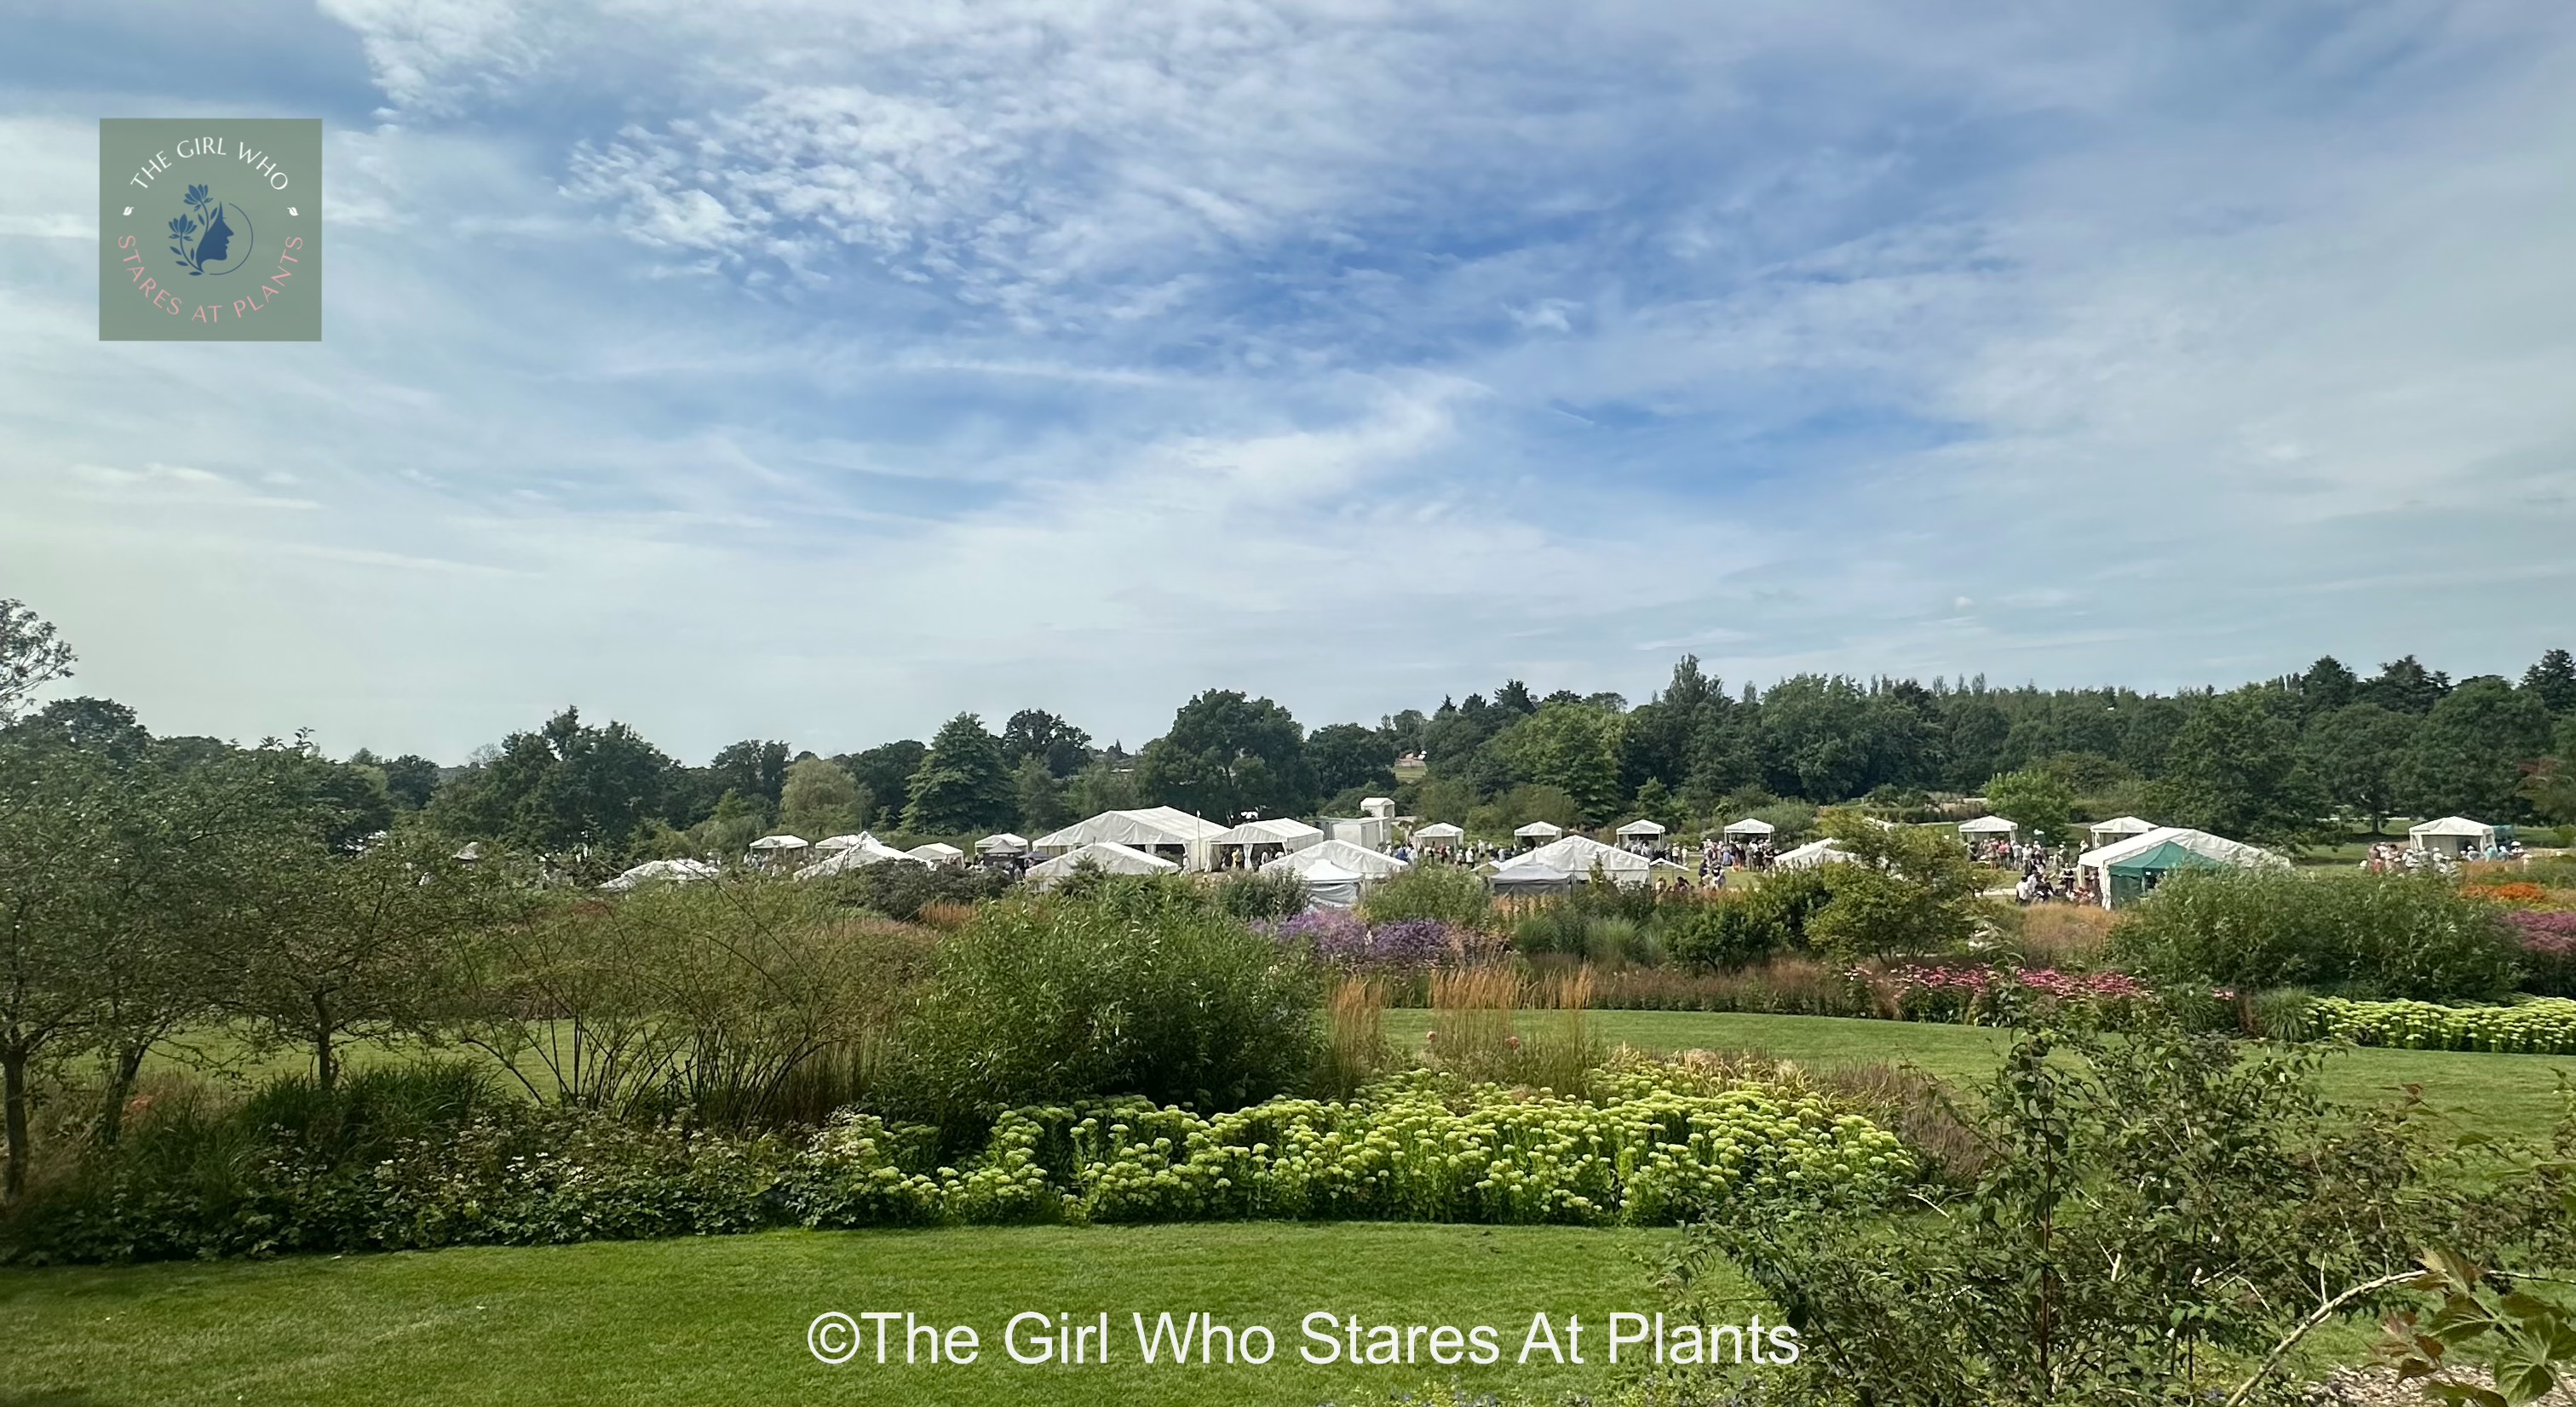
(210,229)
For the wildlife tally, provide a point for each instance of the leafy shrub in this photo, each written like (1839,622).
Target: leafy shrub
(2546,1026)
(1344,940)
(1447,893)
(1741,926)
(2548,951)
(902,891)
(1983,996)
(2351,934)
(1785,986)
(1635,1150)
(1253,895)
(1109,989)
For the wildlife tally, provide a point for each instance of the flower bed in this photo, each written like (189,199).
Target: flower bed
(1412,1148)
(1342,938)
(1967,994)
(2543,1027)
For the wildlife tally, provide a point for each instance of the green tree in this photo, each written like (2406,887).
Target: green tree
(1041,796)
(820,799)
(2038,800)
(1227,754)
(2552,680)
(2327,685)
(1907,889)
(730,828)
(32,654)
(2353,753)
(2233,770)
(1105,785)
(567,787)
(1034,732)
(2406,686)
(1347,756)
(963,784)
(337,947)
(885,774)
(2468,754)
(1573,747)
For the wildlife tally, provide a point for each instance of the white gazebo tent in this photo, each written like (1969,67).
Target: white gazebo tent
(1105,855)
(1575,856)
(1258,841)
(673,871)
(774,850)
(936,853)
(1167,831)
(2453,836)
(2127,870)
(1538,833)
(1329,886)
(1438,833)
(864,851)
(2117,829)
(1660,870)
(1003,844)
(1984,826)
(1812,854)
(1367,864)
(834,844)
(1642,830)
(1749,826)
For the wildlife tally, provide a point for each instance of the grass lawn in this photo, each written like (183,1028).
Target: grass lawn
(2505,1094)
(723,1320)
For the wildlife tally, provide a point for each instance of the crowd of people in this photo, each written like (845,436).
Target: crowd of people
(2390,857)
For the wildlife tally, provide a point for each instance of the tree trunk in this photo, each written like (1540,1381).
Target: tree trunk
(120,1091)
(13,1093)
(326,1065)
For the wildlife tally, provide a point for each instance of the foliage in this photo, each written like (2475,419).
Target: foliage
(2526,1334)
(2546,1026)
(2354,753)
(1255,895)
(2154,1213)
(1227,755)
(32,654)
(2548,951)
(963,785)
(1034,733)
(2347,933)
(902,891)
(1427,891)
(2038,800)
(2233,770)
(1569,746)
(565,789)
(1108,988)
(1747,925)
(1347,756)
(820,798)
(739,1002)
(2466,756)
(1907,889)
(1991,995)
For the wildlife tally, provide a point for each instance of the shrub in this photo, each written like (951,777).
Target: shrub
(2351,934)
(1634,1150)
(1785,986)
(1983,996)
(1344,940)
(1254,895)
(1741,926)
(1114,989)
(2548,951)
(2543,1027)
(1448,893)
(902,891)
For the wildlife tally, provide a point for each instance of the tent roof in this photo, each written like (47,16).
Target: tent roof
(677,871)
(1279,832)
(869,851)
(1437,830)
(1101,854)
(2121,825)
(1575,855)
(843,842)
(1642,827)
(1668,865)
(1531,877)
(1811,854)
(1363,862)
(1326,872)
(2150,847)
(935,850)
(1989,825)
(1749,826)
(1003,844)
(1152,825)
(779,842)
(2452,825)
(1540,828)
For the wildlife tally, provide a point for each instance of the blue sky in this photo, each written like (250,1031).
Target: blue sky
(816,371)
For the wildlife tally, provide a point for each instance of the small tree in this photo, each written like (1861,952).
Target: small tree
(1908,889)
(2037,800)
(963,784)
(820,798)
(32,653)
